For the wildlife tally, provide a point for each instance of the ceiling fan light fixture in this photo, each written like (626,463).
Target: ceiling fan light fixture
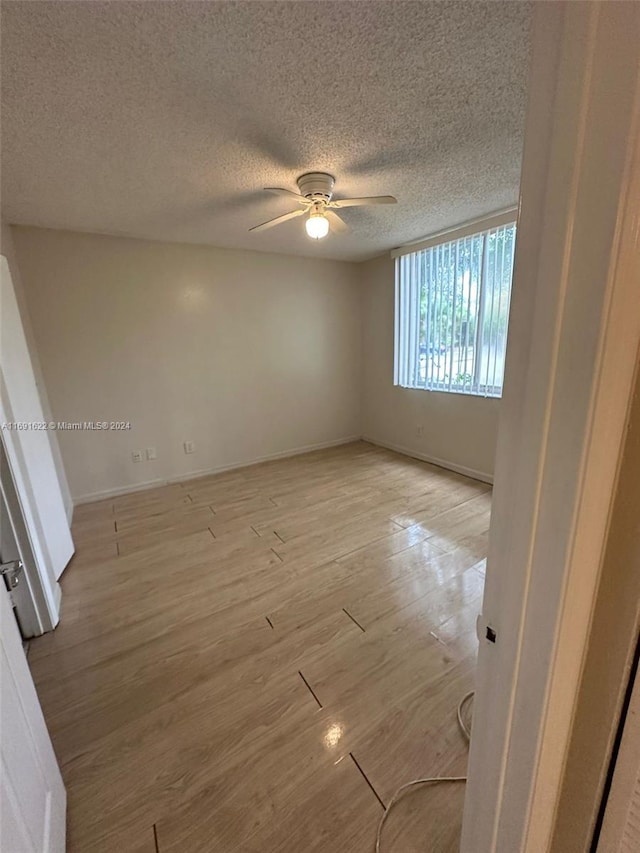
(317,226)
(316,199)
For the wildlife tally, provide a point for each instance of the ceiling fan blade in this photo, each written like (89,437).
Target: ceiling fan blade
(288,193)
(338,225)
(277,220)
(356,202)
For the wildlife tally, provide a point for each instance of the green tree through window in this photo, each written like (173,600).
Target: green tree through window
(453,312)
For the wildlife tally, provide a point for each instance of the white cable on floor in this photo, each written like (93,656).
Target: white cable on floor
(465,731)
(427,781)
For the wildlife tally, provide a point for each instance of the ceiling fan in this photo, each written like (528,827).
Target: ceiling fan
(316,198)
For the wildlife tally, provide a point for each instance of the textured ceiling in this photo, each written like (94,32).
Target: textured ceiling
(164,119)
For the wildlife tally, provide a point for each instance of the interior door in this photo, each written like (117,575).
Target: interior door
(28,448)
(32,795)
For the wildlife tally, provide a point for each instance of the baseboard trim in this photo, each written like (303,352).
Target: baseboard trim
(482,476)
(92,497)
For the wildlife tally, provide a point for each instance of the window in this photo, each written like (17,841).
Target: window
(452,311)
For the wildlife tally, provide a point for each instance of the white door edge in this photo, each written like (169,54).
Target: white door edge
(573,348)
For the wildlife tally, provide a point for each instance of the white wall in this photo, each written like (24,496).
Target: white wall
(7,248)
(458,430)
(249,355)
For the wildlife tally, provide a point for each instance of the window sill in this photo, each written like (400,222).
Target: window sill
(485,394)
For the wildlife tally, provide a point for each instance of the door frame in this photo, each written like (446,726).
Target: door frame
(574,340)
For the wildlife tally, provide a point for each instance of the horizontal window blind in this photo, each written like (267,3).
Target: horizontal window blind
(452,311)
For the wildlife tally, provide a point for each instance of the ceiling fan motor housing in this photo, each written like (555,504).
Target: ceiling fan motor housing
(316,185)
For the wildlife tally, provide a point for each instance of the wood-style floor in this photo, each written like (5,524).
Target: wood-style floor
(254,661)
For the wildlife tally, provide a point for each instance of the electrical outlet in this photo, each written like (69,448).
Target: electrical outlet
(189,447)
(419,430)
(136,456)
(151,453)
